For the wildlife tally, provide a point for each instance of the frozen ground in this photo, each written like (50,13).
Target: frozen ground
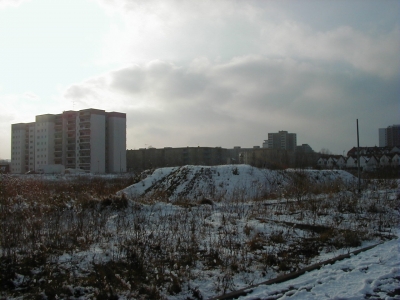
(373,274)
(224,182)
(168,244)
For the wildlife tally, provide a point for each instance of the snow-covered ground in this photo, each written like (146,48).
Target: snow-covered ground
(373,274)
(167,243)
(224,182)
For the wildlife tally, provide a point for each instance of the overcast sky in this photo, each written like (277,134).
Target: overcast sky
(206,73)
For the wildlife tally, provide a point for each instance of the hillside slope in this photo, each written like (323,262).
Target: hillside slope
(223,182)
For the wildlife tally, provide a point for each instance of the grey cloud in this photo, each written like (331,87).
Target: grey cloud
(129,79)
(160,78)
(182,30)
(239,102)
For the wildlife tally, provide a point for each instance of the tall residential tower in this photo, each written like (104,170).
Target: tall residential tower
(281,140)
(389,136)
(91,139)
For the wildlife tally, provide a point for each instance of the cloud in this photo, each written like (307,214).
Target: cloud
(238,102)
(225,73)
(11,3)
(184,30)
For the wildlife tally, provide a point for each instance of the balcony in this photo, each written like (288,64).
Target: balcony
(84,147)
(84,141)
(83,133)
(84,154)
(84,121)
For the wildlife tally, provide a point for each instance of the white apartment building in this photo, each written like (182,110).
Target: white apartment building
(91,139)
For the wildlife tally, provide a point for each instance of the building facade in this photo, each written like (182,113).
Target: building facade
(152,158)
(389,136)
(281,140)
(91,139)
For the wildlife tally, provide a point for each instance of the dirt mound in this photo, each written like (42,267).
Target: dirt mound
(224,182)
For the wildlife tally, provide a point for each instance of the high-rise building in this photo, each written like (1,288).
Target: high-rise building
(91,139)
(389,136)
(281,140)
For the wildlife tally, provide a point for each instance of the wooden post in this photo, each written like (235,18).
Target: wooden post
(358,160)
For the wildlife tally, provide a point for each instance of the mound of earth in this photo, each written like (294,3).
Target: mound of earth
(223,182)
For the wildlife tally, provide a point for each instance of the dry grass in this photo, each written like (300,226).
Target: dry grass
(150,253)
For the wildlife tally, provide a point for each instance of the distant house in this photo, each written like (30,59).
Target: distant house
(385,161)
(331,162)
(363,161)
(370,151)
(352,162)
(396,160)
(321,162)
(371,158)
(341,162)
(371,164)
(395,150)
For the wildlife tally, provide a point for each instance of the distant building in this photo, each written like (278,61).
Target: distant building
(304,148)
(142,159)
(389,136)
(91,139)
(281,140)
(373,150)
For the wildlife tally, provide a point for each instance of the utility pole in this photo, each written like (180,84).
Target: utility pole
(358,160)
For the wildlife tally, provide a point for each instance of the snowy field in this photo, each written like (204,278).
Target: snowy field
(373,274)
(197,233)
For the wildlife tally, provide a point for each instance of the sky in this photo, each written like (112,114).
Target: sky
(206,73)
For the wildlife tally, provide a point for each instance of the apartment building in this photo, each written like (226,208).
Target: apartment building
(389,136)
(281,140)
(91,139)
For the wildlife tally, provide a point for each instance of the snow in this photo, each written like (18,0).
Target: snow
(371,274)
(224,182)
(240,214)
